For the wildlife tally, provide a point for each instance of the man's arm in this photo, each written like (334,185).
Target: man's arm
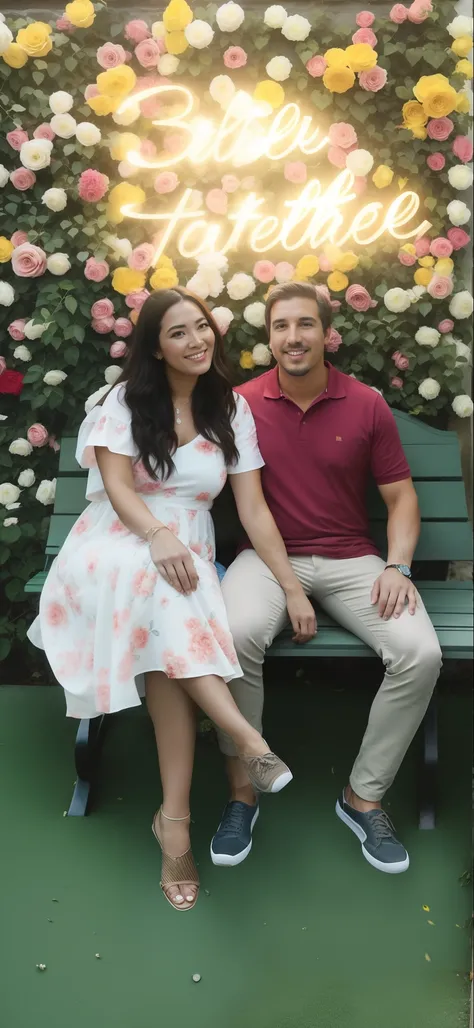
(392,590)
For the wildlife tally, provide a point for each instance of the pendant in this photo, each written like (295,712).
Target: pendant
(178,412)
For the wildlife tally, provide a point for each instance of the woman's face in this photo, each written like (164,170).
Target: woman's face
(186,340)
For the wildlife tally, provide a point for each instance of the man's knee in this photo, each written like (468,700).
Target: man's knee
(420,656)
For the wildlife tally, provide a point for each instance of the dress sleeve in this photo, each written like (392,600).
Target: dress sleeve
(109,425)
(250,458)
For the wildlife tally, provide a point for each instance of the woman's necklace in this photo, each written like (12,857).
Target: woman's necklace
(178,412)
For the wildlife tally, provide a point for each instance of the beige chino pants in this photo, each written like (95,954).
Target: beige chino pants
(408,646)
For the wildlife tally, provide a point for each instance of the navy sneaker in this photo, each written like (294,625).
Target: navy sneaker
(233,840)
(380,845)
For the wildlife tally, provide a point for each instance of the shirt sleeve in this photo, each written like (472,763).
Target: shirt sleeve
(109,425)
(387,460)
(243,424)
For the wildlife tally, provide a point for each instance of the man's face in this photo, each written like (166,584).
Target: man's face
(296,335)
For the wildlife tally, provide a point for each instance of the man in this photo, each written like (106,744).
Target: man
(322,435)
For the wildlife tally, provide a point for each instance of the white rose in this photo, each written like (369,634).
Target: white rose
(22,353)
(35,154)
(222,317)
(10,521)
(460,176)
(261,355)
(168,64)
(6,37)
(158,30)
(397,300)
(54,378)
(7,294)
(275,17)
(112,373)
(199,285)
(230,16)
(127,170)
(279,68)
(64,125)
(33,331)
(359,162)
(26,478)
(462,406)
(240,286)
(9,493)
(296,28)
(199,34)
(46,491)
(12,506)
(88,134)
(94,398)
(222,89)
(461,305)
(254,314)
(458,212)
(58,263)
(462,350)
(121,248)
(206,282)
(20,448)
(429,388)
(417,291)
(54,199)
(60,102)
(427,336)
(4,176)
(466,89)
(128,116)
(214,261)
(460,26)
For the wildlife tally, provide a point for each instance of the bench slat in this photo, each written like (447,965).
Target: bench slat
(456,644)
(436,502)
(438,462)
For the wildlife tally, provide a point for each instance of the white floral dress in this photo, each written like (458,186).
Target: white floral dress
(106,616)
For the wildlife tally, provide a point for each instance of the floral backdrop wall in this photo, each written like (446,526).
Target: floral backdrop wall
(289,147)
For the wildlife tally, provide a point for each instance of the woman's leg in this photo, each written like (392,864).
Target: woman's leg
(212,695)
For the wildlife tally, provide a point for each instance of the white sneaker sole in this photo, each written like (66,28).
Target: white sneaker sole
(230,860)
(390,869)
(281,781)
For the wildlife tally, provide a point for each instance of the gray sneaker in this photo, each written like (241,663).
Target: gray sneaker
(380,845)
(267,773)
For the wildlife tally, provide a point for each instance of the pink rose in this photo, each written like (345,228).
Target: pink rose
(322,290)
(175,143)
(147,148)
(396,383)
(419,11)
(102,309)
(342,134)
(64,25)
(18,238)
(316,66)
(324,263)
(295,171)
(365,19)
(441,247)
(137,30)
(235,57)
(264,271)
(151,107)
(37,435)
(16,329)
(28,261)
(457,236)
(373,80)
(118,349)
(462,148)
(360,184)
(358,298)
(92,185)
(216,201)
(284,271)
(136,300)
(103,325)
(436,161)
(249,183)
(398,14)
(230,183)
(337,156)
(148,53)
(422,246)
(44,131)
(440,286)
(110,55)
(365,36)
(123,326)
(141,258)
(96,271)
(401,362)
(407,259)
(446,326)
(439,128)
(22,179)
(333,340)
(16,138)
(91,91)
(166,182)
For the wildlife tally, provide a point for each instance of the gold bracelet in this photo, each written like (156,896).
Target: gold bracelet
(151,532)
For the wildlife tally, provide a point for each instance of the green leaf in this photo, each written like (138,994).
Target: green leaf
(70,304)
(70,63)
(414,55)
(375,359)
(11,208)
(17,108)
(424,308)
(430,202)
(403,93)
(37,77)
(71,355)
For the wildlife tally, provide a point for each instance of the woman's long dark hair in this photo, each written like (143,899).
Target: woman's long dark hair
(148,394)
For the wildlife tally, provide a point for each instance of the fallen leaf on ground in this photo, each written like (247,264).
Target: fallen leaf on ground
(431,922)
(428,958)
(425,907)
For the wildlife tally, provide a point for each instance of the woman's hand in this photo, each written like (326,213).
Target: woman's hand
(301,615)
(174,562)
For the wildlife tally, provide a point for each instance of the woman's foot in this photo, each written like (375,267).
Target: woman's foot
(179,875)
(267,773)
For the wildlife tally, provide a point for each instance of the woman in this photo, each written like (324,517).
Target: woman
(134,590)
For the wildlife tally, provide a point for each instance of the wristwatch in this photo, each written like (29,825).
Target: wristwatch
(402,568)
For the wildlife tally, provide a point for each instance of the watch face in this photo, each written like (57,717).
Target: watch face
(405,570)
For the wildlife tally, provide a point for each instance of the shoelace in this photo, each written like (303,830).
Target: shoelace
(265,762)
(233,822)
(382,825)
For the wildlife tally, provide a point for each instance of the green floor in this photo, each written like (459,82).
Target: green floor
(303,935)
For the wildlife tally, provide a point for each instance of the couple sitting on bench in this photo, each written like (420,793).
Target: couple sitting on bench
(135,592)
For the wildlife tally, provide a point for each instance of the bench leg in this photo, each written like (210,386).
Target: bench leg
(429,767)
(86,751)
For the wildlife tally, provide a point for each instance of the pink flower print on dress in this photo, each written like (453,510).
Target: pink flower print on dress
(81,526)
(205,446)
(223,476)
(164,602)
(196,548)
(224,640)
(113,578)
(139,638)
(148,488)
(56,615)
(170,490)
(119,619)
(101,423)
(89,661)
(117,528)
(103,691)
(192,515)
(173,526)
(71,597)
(201,645)
(175,666)
(202,497)
(92,564)
(143,582)
(125,668)
(69,664)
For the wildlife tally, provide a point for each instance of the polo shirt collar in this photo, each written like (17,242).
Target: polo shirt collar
(335,387)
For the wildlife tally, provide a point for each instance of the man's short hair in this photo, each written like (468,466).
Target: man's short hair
(289,290)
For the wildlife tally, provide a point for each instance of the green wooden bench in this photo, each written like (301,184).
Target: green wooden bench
(446,535)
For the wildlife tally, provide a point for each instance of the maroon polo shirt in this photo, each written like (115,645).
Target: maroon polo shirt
(318,463)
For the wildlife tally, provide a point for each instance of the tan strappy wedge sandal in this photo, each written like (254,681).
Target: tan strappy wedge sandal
(176,871)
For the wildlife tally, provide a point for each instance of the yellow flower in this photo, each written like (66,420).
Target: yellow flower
(346,262)
(34,40)
(81,13)
(332,252)
(464,68)
(125,280)
(176,43)
(426,262)
(336,56)
(6,249)
(270,92)
(361,57)
(423,276)
(409,248)
(337,281)
(338,79)
(445,266)
(436,95)
(462,46)
(15,56)
(382,176)
(116,81)
(419,132)
(102,105)
(122,143)
(308,265)
(462,103)
(402,182)
(177,16)
(164,278)
(120,195)
(413,114)
(246,360)
(133,317)
(164,262)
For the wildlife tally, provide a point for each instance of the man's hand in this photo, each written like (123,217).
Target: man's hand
(302,616)
(393,591)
